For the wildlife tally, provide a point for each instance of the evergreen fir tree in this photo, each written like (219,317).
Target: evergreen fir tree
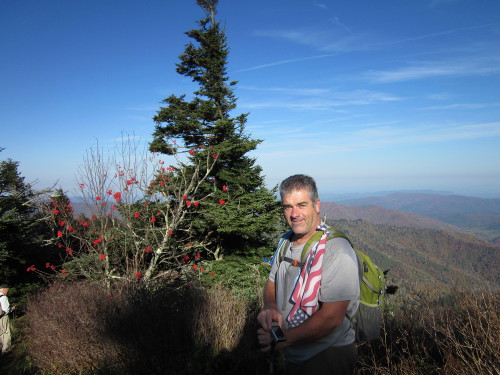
(21,232)
(245,213)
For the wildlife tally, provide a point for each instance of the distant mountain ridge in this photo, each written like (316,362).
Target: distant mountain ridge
(477,216)
(421,250)
(419,256)
(384,216)
(340,197)
(429,204)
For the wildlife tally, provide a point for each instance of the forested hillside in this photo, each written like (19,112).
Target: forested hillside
(477,216)
(381,215)
(425,257)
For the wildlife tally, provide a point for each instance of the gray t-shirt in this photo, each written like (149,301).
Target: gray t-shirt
(339,282)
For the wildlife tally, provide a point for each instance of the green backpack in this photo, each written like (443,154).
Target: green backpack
(367,319)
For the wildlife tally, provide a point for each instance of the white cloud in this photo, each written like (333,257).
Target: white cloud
(440,33)
(430,133)
(288,61)
(314,99)
(308,38)
(336,21)
(288,90)
(319,143)
(320,5)
(435,69)
(440,96)
(335,41)
(462,106)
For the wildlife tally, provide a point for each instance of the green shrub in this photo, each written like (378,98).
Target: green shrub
(245,276)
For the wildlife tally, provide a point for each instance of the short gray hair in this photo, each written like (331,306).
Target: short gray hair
(299,182)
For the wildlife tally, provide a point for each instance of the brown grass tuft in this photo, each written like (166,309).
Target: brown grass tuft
(81,328)
(454,334)
(222,320)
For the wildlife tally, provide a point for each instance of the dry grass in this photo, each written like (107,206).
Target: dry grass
(222,321)
(78,329)
(81,328)
(67,329)
(469,338)
(84,328)
(458,334)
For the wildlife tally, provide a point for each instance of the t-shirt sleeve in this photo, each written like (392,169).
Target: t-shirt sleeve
(274,269)
(340,278)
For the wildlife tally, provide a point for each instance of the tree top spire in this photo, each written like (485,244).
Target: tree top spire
(209,7)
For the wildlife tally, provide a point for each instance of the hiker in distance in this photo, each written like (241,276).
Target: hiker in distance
(306,305)
(5,310)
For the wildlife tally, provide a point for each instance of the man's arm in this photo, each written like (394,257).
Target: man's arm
(270,295)
(266,317)
(329,316)
(270,312)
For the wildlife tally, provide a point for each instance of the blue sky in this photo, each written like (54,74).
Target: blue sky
(362,95)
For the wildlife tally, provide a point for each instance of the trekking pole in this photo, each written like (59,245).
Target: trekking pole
(270,361)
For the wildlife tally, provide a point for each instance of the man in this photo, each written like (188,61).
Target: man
(312,311)
(5,310)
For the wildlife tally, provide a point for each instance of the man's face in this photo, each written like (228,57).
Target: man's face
(5,291)
(301,213)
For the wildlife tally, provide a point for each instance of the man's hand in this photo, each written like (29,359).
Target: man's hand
(265,340)
(267,316)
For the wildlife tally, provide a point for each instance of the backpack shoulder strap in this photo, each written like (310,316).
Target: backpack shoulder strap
(333,233)
(285,240)
(282,246)
(308,246)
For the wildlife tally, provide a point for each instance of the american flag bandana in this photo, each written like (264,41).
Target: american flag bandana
(305,293)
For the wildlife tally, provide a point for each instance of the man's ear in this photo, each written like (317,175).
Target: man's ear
(318,206)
